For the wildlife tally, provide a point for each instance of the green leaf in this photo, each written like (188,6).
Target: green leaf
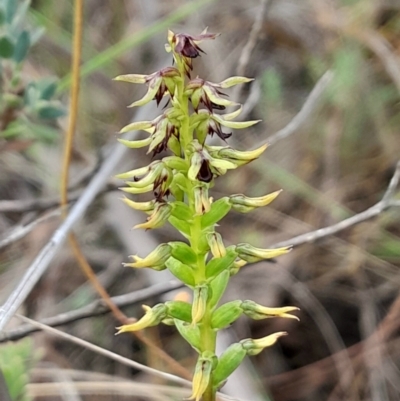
(11,8)
(228,362)
(181,271)
(180,310)
(190,333)
(20,15)
(44,133)
(13,130)
(217,288)
(15,361)
(50,111)
(31,95)
(6,47)
(2,16)
(182,211)
(47,88)
(216,265)
(182,226)
(21,47)
(226,314)
(183,252)
(219,210)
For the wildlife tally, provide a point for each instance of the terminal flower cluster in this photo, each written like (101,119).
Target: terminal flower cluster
(179,183)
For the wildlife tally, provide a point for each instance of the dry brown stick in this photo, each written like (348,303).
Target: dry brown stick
(95,308)
(324,372)
(41,204)
(245,54)
(20,231)
(373,211)
(308,108)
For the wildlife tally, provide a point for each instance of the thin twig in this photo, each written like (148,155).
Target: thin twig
(95,308)
(20,232)
(100,388)
(250,44)
(23,206)
(16,233)
(394,182)
(104,352)
(306,111)
(113,355)
(252,40)
(373,211)
(46,255)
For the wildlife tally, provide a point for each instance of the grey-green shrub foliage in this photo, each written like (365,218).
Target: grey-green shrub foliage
(25,106)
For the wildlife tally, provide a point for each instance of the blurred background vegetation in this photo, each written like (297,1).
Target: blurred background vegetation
(336,165)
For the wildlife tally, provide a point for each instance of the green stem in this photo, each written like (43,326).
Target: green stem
(207,334)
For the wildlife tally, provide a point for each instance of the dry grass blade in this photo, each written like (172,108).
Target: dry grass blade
(146,390)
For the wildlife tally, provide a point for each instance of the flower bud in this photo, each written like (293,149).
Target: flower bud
(238,157)
(201,378)
(137,172)
(132,78)
(152,317)
(138,126)
(175,163)
(244,204)
(258,312)
(226,314)
(199,306)
(228,362)
(217,265)
(219,209)
(255,346)
(158,218)
(142,206)
(217,288)
(233,124)
(135,191)
(153,174)
(232,81)
(252,255)
(196,162)
(155,259)
(201,200)
(141,143)
(217,247)
(183,252)
(181,271)
(179,310)
(190,333)
(222,164)
(237,265)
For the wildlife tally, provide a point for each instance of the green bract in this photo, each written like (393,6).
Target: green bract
(180,183)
